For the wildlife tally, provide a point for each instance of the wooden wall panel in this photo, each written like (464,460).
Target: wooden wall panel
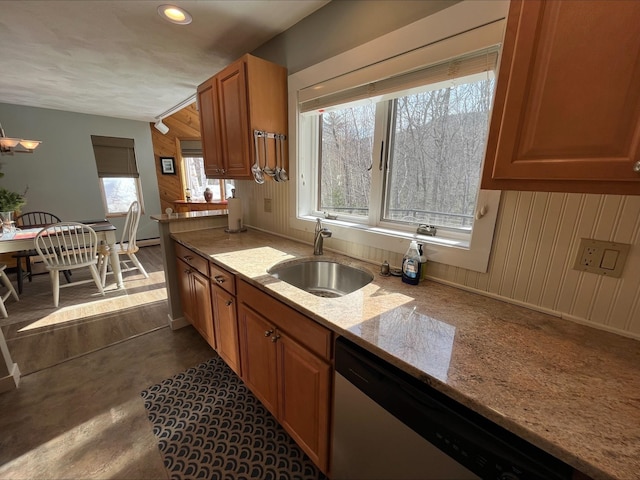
(184,124)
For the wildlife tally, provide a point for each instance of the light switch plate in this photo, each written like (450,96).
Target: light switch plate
(602,258)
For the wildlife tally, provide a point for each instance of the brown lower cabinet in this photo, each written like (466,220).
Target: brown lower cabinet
(193,283)
(286,362)
(224,317)
(285,358)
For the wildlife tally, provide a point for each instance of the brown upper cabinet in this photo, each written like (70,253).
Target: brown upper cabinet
(567,108)
(250,94)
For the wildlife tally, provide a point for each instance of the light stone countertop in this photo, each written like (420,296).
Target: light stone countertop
(572,390)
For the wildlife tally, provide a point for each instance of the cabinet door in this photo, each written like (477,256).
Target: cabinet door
(258,356)
(304,397)
(210,128)
(567,108)
(232,103)
(226,327)
(202,306)
(183,272)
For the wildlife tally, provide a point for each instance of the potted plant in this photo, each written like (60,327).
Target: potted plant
(9,203)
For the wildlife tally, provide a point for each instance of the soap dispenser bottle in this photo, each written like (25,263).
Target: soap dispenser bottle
(411,265)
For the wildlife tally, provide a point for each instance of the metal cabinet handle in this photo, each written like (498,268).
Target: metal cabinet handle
(636,167)
(229,302)
(188,258)
(268,332)
(219,278)
(275,338)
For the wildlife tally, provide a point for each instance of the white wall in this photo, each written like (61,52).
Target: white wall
(61,173)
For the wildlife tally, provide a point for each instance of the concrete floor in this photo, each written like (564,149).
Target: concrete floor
(85,419)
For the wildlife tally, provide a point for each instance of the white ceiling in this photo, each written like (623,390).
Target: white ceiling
(118,58)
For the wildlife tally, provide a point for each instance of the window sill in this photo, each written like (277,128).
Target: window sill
(426,239)
(472,255)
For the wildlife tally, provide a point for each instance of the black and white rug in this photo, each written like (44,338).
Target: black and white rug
(209,425)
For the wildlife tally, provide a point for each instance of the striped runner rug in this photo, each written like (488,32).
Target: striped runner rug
(209,425)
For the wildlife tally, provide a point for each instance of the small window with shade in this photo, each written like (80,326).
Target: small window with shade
(118,173)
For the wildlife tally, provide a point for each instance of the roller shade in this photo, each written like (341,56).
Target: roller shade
(115,157)
(447,71)
(191,148)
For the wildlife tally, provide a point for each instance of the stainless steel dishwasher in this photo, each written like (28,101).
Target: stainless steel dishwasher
(388,425)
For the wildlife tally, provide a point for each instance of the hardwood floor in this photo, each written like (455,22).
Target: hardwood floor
(78,411)
(39,335)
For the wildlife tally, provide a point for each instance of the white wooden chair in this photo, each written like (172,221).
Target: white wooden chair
(126,246)
(10,290)
(68,246)
(31,220)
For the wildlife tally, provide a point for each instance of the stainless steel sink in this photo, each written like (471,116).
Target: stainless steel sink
(322,278)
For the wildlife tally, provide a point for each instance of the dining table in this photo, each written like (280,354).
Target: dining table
(24,239)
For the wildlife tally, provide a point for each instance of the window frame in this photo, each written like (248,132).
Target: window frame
(383,141)
(464,27)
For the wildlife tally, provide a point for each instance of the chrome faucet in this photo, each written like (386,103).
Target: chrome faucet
(321,234)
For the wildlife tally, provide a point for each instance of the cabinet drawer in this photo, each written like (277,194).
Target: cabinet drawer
(222,278)
(304,330)
(192,259)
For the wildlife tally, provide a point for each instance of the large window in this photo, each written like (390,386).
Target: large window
(389,149)
(411,155)
(431,167)
(117,173)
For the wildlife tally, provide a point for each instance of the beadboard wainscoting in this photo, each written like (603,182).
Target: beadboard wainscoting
(535,243)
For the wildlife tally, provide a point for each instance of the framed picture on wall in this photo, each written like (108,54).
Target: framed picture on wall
(168,165)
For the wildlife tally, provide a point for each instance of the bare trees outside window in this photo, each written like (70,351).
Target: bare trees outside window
(438,144)
(347,143)
(430,156)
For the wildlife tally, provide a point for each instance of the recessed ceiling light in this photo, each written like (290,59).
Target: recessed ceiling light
(174,14)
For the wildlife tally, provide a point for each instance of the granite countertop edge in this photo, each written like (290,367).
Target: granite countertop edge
(477,321)
(183,216)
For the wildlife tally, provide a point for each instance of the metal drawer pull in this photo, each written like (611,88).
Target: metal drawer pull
(268,332)
(636,167)
(219,278)
(188,258)
(229,302)
(275,338)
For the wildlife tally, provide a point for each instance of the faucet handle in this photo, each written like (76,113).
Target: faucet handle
(318,224)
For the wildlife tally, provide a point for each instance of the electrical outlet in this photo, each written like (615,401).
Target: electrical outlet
(602,258)
(588,257)
(267,205)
